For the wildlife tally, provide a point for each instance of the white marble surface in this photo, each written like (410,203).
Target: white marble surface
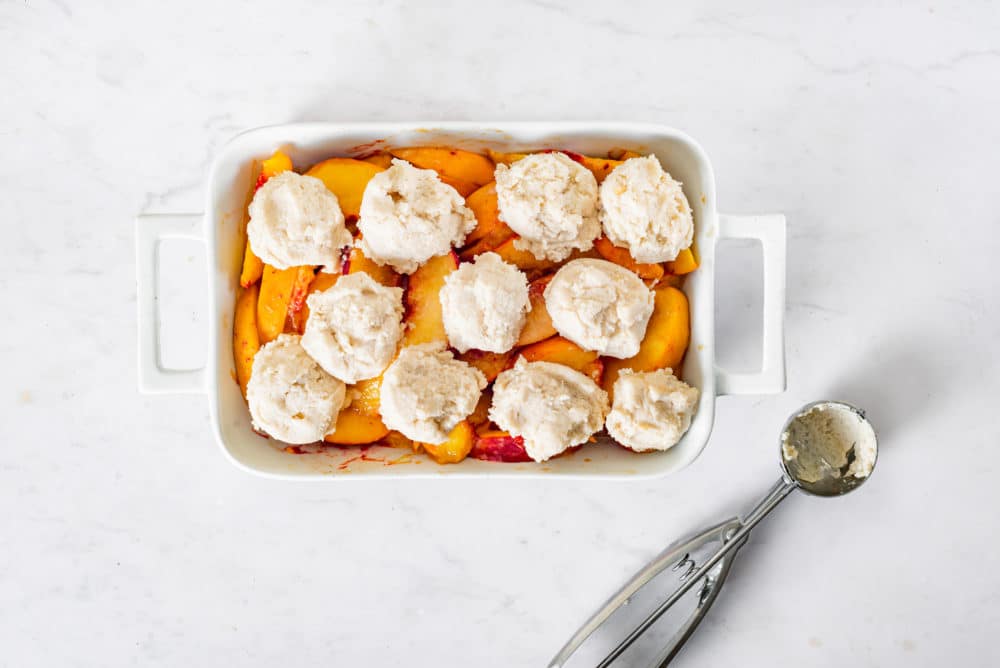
(127,539)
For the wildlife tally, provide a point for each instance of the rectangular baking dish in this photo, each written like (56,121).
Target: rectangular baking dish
(220,228)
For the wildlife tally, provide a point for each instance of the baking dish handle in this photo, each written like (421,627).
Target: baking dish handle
(769,230)
(154,378)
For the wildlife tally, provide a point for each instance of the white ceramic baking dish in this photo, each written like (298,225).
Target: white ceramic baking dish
(220,228)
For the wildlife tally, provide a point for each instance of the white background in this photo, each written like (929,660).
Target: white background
(127,539)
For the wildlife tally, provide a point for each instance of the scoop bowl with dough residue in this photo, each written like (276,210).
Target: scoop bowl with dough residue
(828,448)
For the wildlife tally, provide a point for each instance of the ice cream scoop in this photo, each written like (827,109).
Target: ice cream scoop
(828,448)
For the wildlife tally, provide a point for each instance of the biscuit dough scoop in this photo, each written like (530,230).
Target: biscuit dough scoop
(828,448)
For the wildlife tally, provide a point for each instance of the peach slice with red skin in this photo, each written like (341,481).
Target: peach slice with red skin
(538,325)
(423,304)
(276,286)
(298,313)
(499,446)
(297,302)
(665,342)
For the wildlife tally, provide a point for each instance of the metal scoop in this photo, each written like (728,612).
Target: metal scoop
(828,448)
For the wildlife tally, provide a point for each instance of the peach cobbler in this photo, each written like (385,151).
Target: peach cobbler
(502,306)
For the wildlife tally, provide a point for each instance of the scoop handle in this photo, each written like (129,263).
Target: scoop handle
(775,495)
(662,574)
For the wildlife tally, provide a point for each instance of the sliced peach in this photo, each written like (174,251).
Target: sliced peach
(560,351)
(464,188)
(622,154)
(499,446)
(253,266)
(685,263)
(599,167)
(489,230)
(246,340)
(380,159)
(277,163)
(366,396)
(501,158)
(577,254)
(469,253)
(621,256)
(346,178)
(423,305)
(357,262)
(396,440)
(480,415)
(538,325)
(595,370)
(563,351)
(491,364)
(356,428)
(296,304)
(456,448)
(522,259)
(321,282)
(665,342)
(452,164)
(276,286)
(672,280)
